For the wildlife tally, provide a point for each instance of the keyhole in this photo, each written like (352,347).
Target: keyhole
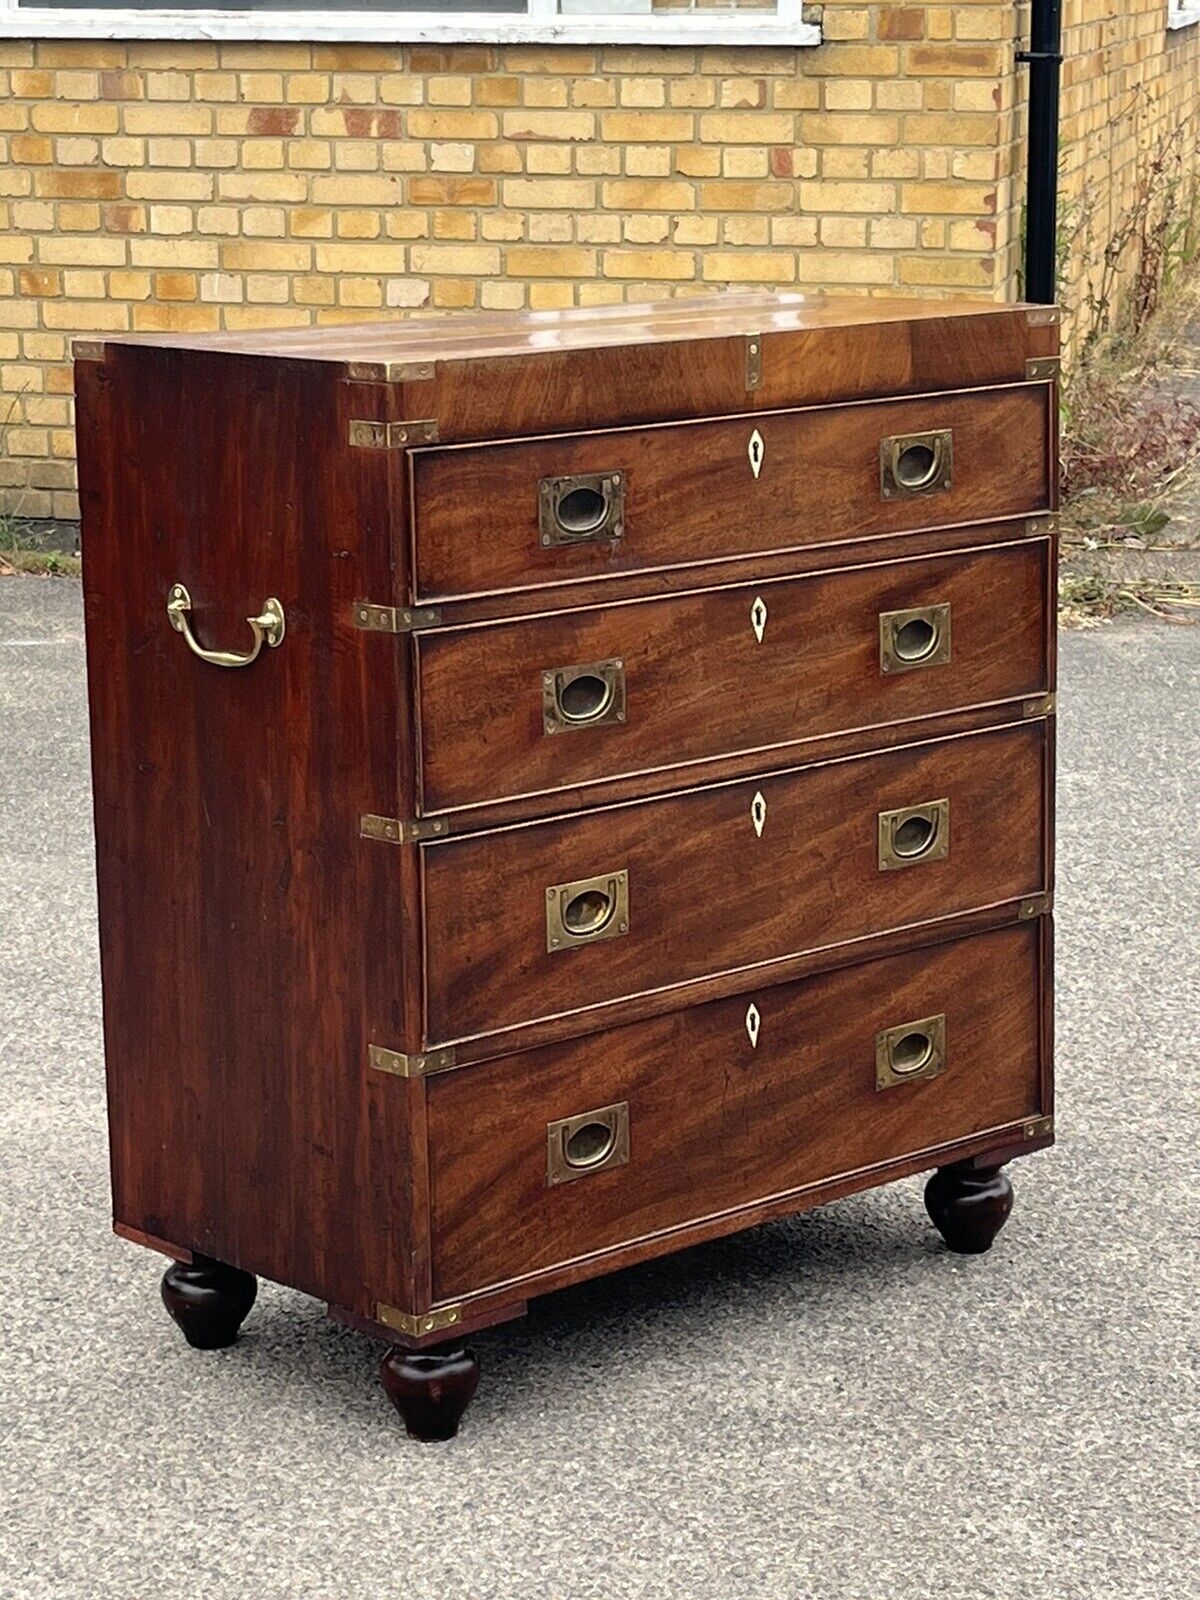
(758,813)
(758,617)
(756,450)
(753,1023)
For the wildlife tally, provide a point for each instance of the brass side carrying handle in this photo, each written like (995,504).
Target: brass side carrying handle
(267,627)
(914,834)
(582,508)
(915,463)
(594,1141)
(910,1051)
(918,637)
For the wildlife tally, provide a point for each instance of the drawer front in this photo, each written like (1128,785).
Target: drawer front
(586,696)
(715,1114)
(543,919)
(512,515)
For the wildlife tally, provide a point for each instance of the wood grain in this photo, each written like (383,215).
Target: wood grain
(716,1123)
(706,895)
(691,496)
(699,685)
(236,900)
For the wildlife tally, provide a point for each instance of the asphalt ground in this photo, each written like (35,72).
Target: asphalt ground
(831,1407)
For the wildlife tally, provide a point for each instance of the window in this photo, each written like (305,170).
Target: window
(1182,13)
(721,22)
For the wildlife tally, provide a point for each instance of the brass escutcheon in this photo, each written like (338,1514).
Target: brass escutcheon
(593,1141)
(581,509)
(584,696)
(914,834)
(918,637)
(910,1051)
(915,463)
(587,911)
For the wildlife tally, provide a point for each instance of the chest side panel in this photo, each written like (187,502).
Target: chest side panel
(234,893)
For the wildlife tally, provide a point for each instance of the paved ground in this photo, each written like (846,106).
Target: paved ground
(831,1408)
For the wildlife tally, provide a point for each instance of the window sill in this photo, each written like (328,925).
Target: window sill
(724,28)
(1183,16)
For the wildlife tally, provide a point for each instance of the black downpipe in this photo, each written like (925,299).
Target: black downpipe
(1041,193)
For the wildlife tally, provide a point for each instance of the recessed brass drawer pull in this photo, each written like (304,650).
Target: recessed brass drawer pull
(915,463)
(594,1141)
(919,637)
(581,509)
(914,834)
(910,1051)
(587,911)
(267,627)
(584,696)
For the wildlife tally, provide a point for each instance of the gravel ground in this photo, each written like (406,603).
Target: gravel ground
(832,1407)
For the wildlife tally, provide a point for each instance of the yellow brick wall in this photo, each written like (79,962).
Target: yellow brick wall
(149,186)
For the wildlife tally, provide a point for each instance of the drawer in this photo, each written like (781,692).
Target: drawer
(546,918)
(563,508)
(590,695)
(706,1114)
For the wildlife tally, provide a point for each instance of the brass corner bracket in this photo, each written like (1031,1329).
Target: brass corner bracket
(414,1326)
(1044,317)
(1045,525)
(420,1065)
(398,830)
(1038,1128)
(392,435)
(390,371)
(1042,705)
(1040,368)
(393,619)
(1033,906)
(87,349)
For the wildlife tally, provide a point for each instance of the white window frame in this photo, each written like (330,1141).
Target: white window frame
(1180,13)
(542,22)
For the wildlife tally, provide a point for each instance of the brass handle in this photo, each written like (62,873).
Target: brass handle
(910,1051)
(584,696)
(594,1141)
(918,637)
(915,463)
(914,834)
(582,508)
(267,627)
(586,911)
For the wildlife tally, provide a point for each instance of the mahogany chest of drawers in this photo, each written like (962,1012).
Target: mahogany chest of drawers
(567,786)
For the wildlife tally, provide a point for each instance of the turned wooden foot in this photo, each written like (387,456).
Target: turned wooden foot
(208,1300)
(969,1205)
(430,1388)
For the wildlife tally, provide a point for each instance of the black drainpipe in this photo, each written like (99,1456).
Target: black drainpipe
(1041,193)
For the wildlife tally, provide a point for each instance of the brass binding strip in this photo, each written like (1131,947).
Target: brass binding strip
(392,435)
(393,619)
(414,1326)
(753,360)
(419,1065)
(396,830)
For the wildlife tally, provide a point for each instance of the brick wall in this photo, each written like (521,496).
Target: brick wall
(1128,82)
(155,186)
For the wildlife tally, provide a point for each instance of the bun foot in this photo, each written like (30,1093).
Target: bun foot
(430,1388)
(208,1300)
(969,1205)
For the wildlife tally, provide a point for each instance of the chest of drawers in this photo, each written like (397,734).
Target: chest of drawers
(567,787)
